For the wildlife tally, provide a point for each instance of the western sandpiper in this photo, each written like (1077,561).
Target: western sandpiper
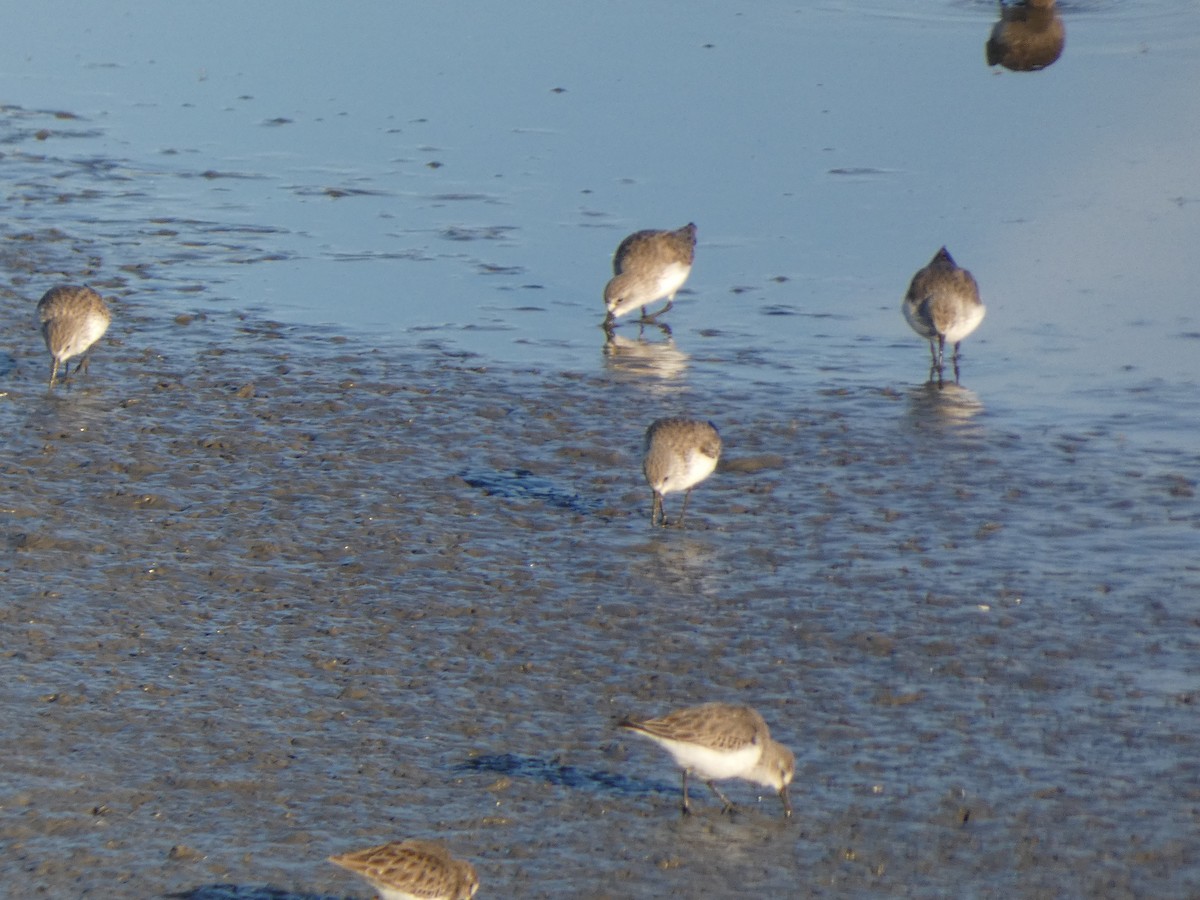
(677,455)
(412,870)
(72,319)
(943,306)
(648,266)
(721,740)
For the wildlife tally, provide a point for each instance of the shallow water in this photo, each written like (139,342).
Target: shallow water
(344,539)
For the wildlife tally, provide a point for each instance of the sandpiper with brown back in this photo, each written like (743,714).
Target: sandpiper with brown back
(716,741)
(678,454)
(943,306)
(412,870)
(72,319)
(648,266)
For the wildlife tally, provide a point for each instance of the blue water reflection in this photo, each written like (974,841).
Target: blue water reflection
(1067,186)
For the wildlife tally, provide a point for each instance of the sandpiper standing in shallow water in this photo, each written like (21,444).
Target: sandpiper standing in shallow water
(412,870)
(942,305)
(677,455)
(72,319)
(648,266)
(721,740)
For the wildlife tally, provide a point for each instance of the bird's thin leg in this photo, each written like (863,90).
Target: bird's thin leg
(939,362)
(729,807)
(654,318)
(955,360)
(686,806)
(683,512)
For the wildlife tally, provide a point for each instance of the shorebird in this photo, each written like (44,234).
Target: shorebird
(412,870)
(1028,37)
(647,266)
(677,455)
(72,319)
(716,741)
(943,306)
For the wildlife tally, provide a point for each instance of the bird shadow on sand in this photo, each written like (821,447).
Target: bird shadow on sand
(552,772)
(521,484)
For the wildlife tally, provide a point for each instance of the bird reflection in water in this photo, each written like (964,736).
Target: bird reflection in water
(943,406)
(1029,36)
(643,359)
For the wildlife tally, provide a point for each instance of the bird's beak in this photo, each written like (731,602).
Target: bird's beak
(787,803)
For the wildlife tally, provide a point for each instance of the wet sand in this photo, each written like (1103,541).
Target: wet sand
(274,593)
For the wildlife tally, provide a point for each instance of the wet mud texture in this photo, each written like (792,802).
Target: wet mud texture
(271,594)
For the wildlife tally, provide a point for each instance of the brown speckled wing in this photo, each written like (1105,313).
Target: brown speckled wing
(721,726)
(420,868)
(626,249)
(683,243)
(650,244)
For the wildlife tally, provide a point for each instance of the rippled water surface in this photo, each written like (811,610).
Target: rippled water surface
(344,537)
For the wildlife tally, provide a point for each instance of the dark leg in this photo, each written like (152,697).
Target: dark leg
(955,360)
(686,806)
(939,357)
(729,807)
(653,318)
(683,511)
